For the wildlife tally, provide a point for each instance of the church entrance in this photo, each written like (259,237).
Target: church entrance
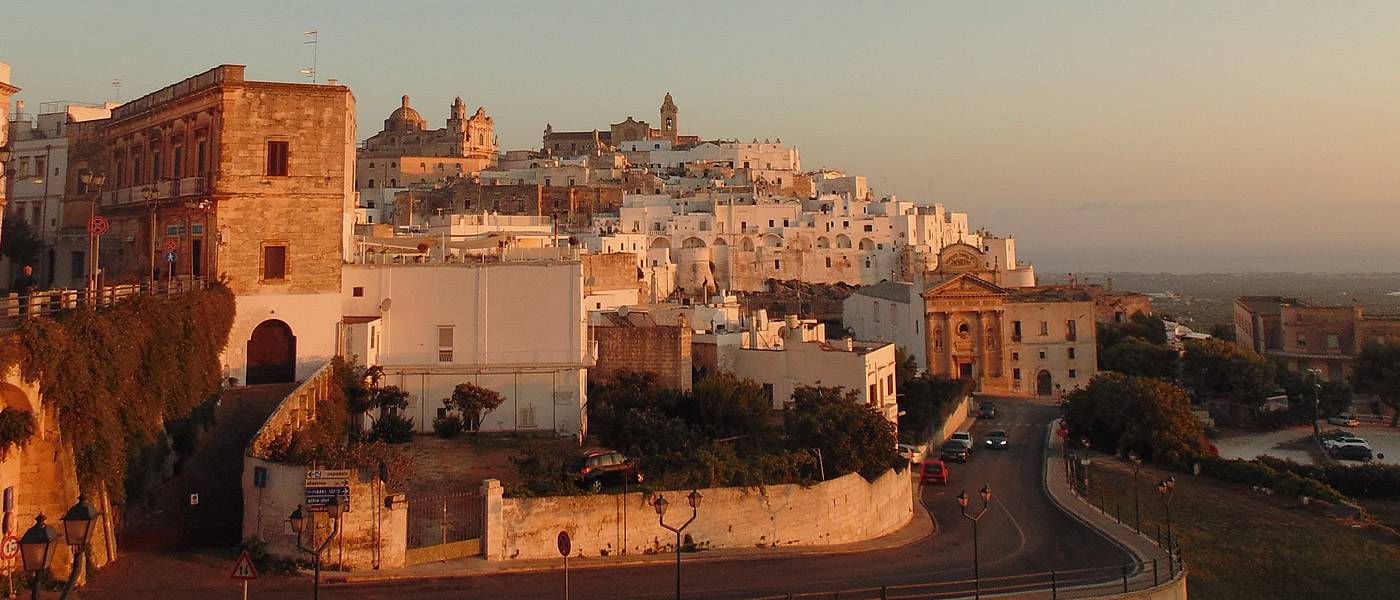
(272,354)
(1043,384)
(965,370)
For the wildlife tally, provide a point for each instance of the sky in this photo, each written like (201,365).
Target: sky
(1129,136)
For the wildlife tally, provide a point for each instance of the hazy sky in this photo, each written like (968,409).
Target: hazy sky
(1214,136)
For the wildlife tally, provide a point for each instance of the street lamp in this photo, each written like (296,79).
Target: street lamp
(660,505)
(298,522)
(1137,514)
(986,501)
(77,528)
(36,549)
(149,193)
(1317,401)
(1164,490)
(92,183)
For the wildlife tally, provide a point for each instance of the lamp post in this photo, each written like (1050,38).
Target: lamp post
(92,183)
(36,550)
(1317,401)
(1137,514)
(5,155)
(976,566)
(298,522)
(660,505)
(149,193)
(1164,490)
(77,529)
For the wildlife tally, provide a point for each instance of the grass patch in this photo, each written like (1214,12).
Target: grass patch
(1238,543)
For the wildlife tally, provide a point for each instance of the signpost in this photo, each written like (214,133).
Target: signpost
(243,570)
(564,547)
(96,226)
(324,484)
(171,245)
(9,549)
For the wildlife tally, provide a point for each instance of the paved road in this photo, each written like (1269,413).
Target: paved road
(1022,532)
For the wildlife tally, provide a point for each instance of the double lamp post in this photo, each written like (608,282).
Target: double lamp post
(963,502)
(37,546)
(298,522)
(660,504)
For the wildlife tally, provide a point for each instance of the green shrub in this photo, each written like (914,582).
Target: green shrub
(448,426)
(1371,481)
(1258,474)
(392,429)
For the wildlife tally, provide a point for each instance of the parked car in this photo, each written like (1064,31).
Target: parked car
(599,467)
(954,450)
(1345,441)
(910,452)
(962,436)
(987,411)
(1352,452)
(933,471)
(997,440)
(1337,433)
(1344,420)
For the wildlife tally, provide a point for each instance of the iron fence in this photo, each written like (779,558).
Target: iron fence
(444,519)
(15,308)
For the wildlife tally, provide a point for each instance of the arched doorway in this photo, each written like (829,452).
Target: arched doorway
(1043,384)
(272,353)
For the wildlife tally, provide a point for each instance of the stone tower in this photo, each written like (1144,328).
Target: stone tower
(457,122)
(669,123)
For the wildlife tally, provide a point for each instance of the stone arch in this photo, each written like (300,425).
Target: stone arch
(746,244)
(772,240)
(692,242)
(822,242)
(13,398)
(1044,383)
(661,242)
(843,240)
(272,353)
(866,244)
(720,242)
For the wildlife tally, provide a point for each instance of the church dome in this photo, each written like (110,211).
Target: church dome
(405,118)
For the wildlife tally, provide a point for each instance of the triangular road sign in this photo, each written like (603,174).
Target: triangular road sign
(243,569)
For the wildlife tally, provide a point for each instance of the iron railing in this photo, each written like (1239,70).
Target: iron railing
(444,519)
(15,308)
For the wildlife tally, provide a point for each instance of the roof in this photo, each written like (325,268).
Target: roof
(1051,294)
(1268,305)
(889,290)
(356,320)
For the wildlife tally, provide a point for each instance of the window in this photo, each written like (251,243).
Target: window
(1016,374)
(444,343)
(777,264)
(1042,354)
(40,167)
(373,337)
(785,222)
(357,291)
(889,383)
(277,159)
(870,228)
(1015,356)
(1302,341)
(77,262)
(1332,342)
(1073,373)
(828,262)
(770,222)
(877,311)
(178,170)
(1015,331)
(874,391)
(1071,330)
(201,156)
(1071,353)
(274,267)
(1044,328)
(527,418)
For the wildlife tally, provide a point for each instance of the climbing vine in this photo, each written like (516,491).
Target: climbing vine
(118,374)
(15,428)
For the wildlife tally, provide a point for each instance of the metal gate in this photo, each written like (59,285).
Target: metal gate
(444,519)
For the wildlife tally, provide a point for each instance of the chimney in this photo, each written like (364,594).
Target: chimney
(849,344)
(332,82)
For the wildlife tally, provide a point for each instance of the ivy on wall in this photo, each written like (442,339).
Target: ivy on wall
(118,374)
(16,426)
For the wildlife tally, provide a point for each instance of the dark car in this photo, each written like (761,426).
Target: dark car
(954,450)
(996,440)
(597,468)
(1352,452)
(987,411)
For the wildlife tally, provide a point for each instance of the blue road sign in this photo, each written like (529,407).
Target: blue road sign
(170,256)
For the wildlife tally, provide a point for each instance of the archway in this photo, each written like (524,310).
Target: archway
(14,398)
(746,244)
(1044,386)
(843,241)
(660,242)
(822,242)
(866,244)
(272,353)
(693,242)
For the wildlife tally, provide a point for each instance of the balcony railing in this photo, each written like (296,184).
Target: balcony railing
(165,190)
(14,309)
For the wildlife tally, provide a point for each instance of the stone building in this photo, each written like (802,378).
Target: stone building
(6,90)
(1310,336)
(250,181)
(633,340)
(575,143)
(406,153)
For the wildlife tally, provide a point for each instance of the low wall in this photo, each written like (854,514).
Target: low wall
(842,510)
(956,421)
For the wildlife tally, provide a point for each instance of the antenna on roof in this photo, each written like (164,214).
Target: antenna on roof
(117,85)
(315,43)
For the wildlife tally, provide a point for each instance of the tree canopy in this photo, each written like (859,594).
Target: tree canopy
(1136,356)
(1377,371)
(852,436)
(1218,369)
(1153,418)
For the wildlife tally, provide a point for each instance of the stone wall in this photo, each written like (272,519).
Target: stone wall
(613,271)
(842,510)
(663,350)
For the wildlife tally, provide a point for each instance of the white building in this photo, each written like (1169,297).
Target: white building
(516,327)
(888,311)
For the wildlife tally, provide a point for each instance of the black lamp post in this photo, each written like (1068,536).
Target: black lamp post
(1164,489)
(36,550)
(298,522)
(149,194)
(976,566)
(1317,402)
(77,529)
(1137,514)
(92,183)
(660,505)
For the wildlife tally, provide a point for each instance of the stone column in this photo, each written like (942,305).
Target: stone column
(493,530)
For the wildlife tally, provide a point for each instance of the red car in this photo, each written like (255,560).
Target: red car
(933,471)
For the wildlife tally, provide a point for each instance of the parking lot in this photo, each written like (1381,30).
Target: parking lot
(1294,443)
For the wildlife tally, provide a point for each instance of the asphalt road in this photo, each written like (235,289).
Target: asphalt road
(1022,532)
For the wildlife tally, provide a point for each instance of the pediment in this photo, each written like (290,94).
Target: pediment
(963,285)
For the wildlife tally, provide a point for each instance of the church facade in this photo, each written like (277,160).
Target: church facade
(575,143)
(406,153)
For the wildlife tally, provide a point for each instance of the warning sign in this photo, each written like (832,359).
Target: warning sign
(244,569)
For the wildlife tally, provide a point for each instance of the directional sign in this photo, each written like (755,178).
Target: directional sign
(564,544)
(98,225)
(324,484)
(171,245)
(244,569)
(9,548)
(170,256)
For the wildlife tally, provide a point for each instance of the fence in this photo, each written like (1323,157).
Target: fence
(15,308)
(445,519)
(1053,585)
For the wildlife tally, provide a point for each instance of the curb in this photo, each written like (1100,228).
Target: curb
(1074,514)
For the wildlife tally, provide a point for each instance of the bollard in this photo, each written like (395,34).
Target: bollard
(1118,511)
(883,594)
(1154,573)
(1054,586)
(1125,578)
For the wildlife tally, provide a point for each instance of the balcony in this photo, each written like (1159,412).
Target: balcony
(165,190)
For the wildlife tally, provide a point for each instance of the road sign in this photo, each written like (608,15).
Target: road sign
(243,569)
(170,256)
(324,484)
(194,499)
(564,545)
(171,245)
(9,548)
(98,225)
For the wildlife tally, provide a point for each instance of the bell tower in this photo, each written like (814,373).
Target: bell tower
(669,123)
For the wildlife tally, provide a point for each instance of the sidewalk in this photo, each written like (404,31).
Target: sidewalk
(1143,548)
(920,527)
